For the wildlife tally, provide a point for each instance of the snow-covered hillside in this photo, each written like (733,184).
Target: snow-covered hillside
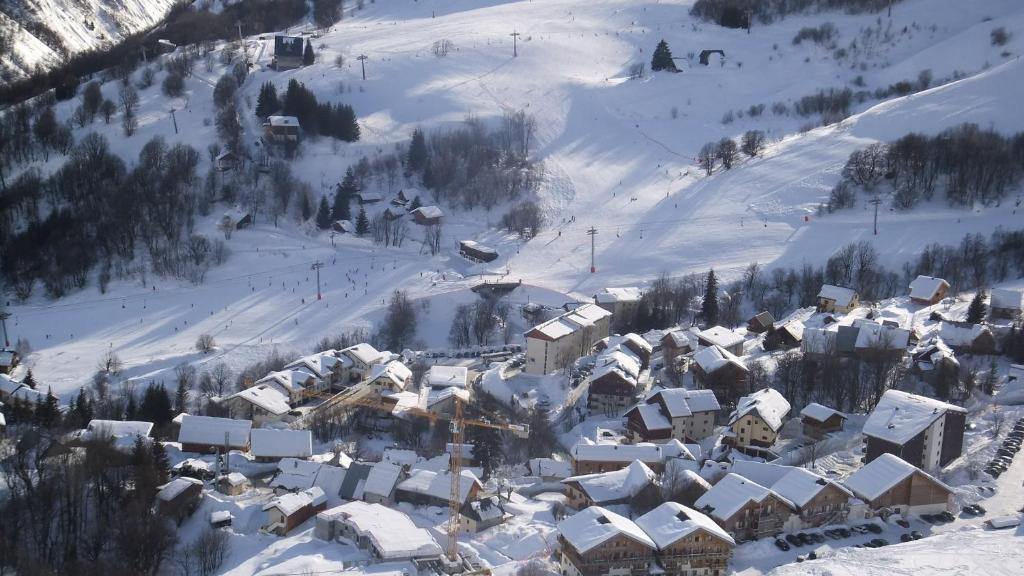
(618,153)
(43,32)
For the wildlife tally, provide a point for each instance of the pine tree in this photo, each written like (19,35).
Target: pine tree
(29,380)
(428,175)
(417,157)
(415,204)
(82,409)
(487,450)
(131,409)
(307,55)
(977,310)
(343,196)
(48,411)
(267,102)
(662,59)
(305,208)
(709,307)
(323,215)
(161,463)
(362,223)
(181,399)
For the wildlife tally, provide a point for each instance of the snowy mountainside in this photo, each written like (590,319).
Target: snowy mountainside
(618,153)
(42,32)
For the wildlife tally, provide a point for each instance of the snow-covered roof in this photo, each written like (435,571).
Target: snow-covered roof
(681,338)
(399,456)
(843,297)
(176,487)
(613,295)
(550,467)
(617,486)
(771,406)
(6,358)
(671,521)
(900,416)
(289,504)
(363,353)
(290,380)
(720,336)
(429,212)
(581,317)
(320,364)
(818,340)
(283,121)
(236,479)
(382,479)
(394,371)
(431,397)
(218,516)
(593,526)
(877,336)
(484,509)
(391,533)
(442,376)
(819,412)
(730,495)
(798,485)
(714,358)
(881,474)
(118,428)
(478,247)
(644,452)
(193,463)
(926,287)
(213,430)
(1007,298)
(267,396)
(26,394)
(438,484)
(295,474)
(961,335)
(651,416)
(8,385)
(681,402)
(268,443)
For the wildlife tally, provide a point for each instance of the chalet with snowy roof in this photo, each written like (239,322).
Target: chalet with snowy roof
(476,251)
(837,299)
(922,431)
(723,338)
(880,340)
(819,420)
(934,361)
(1005,303)
(594,458)
(549,469)
(281,129)
(446,377)
(288,52)
(621,302)
(681,483)
(179,498)
(123,433)
(757,419)
(430,488)
(607,488)
(427,215)
(226,161)
(381,482)
(557,343)
(8,360)
(392,213)
(721,371)
(268,445)
(614,383)
(629,343)
(441,400)
(297,384)
(687,541)
(785,335)
(890,485)
(362,357)
(479,515)
(928,290)
(599,542)
(235,219)
(288,511)
(294,474)
(390,377)
(261,403)
(686,415)
(760,323)
(364,197)
(818,501)
(746,509)
(401,199)
(343,227)
(221,519)
(678,343)
(233,484)
(208,434)
(387,534)
(328,366)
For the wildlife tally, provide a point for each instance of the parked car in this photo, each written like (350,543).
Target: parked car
(946,516)
(873,528)
(817,537)
(844,532)
(916,535)
(906,538)
(862,529)
(973,509)
(879,542)
(781,544)
(903,523)
(833,534)
(930,518)
(804,538)
(792,539)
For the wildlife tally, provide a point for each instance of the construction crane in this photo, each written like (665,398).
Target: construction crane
(457,427)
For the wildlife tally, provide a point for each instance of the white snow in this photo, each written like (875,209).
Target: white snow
(267,443)
(881,474)
(214,431)
(595,525)
(899,416)
(671,521)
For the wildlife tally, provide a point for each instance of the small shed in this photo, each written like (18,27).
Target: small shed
(476,251)
(226,161)
(287,511)
(760,323)
(837,299)
(928,290)
(819,420)
(179,498)
(8,360)
(221,519)
(427,215)
(281,129)
(233,484)
(365,198)
(288,52)
(344,227)
(705,56)
(237,218)
(1003,303)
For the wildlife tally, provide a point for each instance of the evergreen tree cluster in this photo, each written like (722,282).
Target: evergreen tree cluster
(734,13)
(662,59)
(320,118)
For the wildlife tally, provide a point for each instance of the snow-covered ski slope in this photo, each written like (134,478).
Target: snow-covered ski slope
(80,25)
(616,156)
